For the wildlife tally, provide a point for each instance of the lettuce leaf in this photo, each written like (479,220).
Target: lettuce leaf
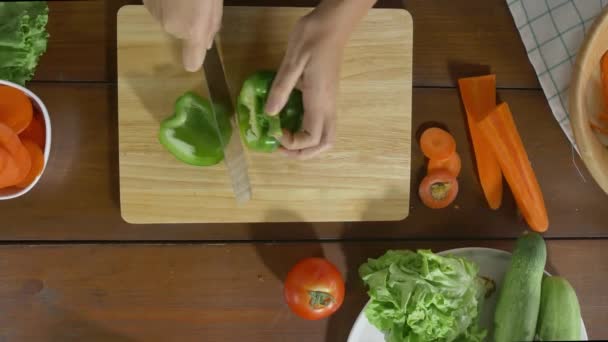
(23,38)
(420,296)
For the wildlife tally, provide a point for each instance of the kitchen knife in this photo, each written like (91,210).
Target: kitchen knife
(219,95)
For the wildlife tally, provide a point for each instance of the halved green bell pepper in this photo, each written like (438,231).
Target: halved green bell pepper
(191,133)
(259,131)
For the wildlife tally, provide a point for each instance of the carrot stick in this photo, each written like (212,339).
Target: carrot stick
(37,158)
(15,108)
(35,131)
(11,143)
(479,97)
(437,143)
(501,133)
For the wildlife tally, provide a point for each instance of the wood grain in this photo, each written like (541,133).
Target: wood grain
(451,36)
(77,198)
(370,161)
(218,293)
(587,102)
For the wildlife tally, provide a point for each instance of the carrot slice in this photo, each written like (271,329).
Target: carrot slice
(11,143)
(452,164)
(437,143)
(9,170)
(479,97)
(37,158)
(502,135)
(35,131)
(15,108)
(438,189)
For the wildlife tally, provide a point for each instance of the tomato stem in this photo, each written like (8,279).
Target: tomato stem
(320,299)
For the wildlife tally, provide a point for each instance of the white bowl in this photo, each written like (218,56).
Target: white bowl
(13,192)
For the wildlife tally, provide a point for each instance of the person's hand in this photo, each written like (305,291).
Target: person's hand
(312,64)
(195,22)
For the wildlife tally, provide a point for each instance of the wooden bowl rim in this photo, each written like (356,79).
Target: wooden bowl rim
(592,151)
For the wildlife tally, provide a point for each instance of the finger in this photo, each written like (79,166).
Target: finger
(289,72)
(309,136)
(216,21)
(193,54)
(307,153)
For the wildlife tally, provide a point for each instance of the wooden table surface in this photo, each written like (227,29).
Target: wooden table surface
(72,269)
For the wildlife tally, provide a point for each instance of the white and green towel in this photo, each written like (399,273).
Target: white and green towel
(552,32)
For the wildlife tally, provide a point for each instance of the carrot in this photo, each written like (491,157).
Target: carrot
(479,97)
(37,158)
(600,129)
(11,143)
(603,117)
(604,76)
(35,131)
(437,143)
(9,170)
(452,164)
(501,133)
(15,108)
(438,189)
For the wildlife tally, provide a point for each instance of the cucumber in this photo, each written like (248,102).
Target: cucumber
(519,296)
(559,318)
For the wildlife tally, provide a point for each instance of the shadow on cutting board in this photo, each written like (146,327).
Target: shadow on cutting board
(140,83)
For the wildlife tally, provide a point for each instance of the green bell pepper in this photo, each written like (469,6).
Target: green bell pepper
(191,134)
(259,130)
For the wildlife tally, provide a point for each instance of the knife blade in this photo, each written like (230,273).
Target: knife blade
(219,94)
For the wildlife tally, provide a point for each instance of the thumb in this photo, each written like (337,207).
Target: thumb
(286,79)
(193,54)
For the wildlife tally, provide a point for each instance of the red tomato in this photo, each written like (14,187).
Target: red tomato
(314,289)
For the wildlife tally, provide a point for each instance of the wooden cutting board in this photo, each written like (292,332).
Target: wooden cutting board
(366,176)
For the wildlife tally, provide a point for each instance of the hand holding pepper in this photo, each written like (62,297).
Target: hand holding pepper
(195,22)
(312,64)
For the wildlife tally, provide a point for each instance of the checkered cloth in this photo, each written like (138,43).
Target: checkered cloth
(553,31)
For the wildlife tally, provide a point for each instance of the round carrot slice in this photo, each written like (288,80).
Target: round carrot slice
(11,143)
(452,164)
(35,131)
(9,170)
(437,143)
(37,158)
(16,109)
(438,189)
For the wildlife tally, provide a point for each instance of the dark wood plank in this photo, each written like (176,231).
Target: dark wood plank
(446,34)
(217,293)
(77,198)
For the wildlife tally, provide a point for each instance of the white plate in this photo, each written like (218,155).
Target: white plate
(493,263)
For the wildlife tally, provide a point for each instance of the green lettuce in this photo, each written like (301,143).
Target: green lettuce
(23,38)
(423,297)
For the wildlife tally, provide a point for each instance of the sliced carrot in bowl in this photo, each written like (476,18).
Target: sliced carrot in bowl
(16,109)
(35,131)
(10,142)
(9,170)
(37,161)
